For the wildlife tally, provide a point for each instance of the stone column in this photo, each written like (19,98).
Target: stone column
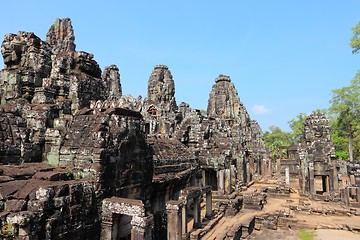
(208,204)
(327,184)
(357,197)
(106,227)
(221,184)
(233,181)
(227,181)
(347,197)
(357,180)
(184,222)
(311,179)
(203,178)
(197,212)
(270,168)
(248,178)
(352,180)
(278,171)
(142,228)
(344,194)
(174,219)
(278,168)
(352,191)
(287,176)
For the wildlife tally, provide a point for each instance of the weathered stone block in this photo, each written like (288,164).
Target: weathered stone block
(15,205)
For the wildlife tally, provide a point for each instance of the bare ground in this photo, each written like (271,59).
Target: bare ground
(329,227)
(321,234)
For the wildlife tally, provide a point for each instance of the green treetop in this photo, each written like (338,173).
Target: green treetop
(346,109)
(355,39)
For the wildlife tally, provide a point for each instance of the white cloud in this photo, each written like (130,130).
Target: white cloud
(260,109)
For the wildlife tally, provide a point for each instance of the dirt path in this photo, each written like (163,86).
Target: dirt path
(321,234)
(328,234)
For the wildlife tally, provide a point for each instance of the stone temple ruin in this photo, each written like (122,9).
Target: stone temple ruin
(81,161)
(317,157)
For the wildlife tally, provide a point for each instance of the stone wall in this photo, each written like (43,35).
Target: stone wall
(38,202)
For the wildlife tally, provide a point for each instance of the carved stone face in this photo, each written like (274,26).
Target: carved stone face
(11,51)
(24,50)
(318,131)
(161,87)
(316,127)
(220,103)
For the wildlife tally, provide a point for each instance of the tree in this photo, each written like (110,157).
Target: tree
(340,144)
(346,110)
(296,126)
(355,39)
(275,139)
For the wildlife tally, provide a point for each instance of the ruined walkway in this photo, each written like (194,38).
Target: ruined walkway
(243,224)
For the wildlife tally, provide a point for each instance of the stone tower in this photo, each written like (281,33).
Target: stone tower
(160,109)
(111,78)
(318,172)
(161,88)
(61,36)
(223,101)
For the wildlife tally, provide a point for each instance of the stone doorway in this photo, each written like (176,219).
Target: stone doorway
(211,179)
(121,227)
(124,219)
(321,184)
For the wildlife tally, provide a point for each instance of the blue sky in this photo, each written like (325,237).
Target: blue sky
(284,57)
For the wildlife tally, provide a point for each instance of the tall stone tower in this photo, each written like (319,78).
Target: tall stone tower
(318,172)
(223,101)
(160,107)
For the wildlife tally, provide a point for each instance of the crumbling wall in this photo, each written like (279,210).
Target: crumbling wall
(109,147)
(38,202)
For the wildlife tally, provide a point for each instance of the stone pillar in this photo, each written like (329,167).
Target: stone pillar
(264,172)
(197,212)
(248,176)
(203,178)
(347,197)
(221,183)
(106,227)
(357,197)
(233,177)
(352,180)
(357,180)
(278,171)
(227,181)
(184,222)
(208,204)
(142,228)
(311,179)
(344,194)
(174,219)
(270,167)
(327,184)
(334,180)
(287,176)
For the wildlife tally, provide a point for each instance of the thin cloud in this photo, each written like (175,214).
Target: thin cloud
(260,109)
